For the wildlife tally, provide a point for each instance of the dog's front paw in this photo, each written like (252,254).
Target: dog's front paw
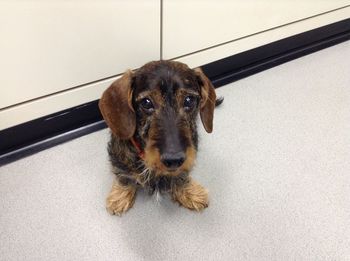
(120,199)
(192,196)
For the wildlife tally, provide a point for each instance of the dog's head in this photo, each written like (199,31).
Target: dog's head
(158,105)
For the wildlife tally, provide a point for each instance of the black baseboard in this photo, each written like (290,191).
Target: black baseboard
(30,137)
(244,64)
(39,134)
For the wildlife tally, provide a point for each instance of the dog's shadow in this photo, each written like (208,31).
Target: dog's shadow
(145,227)
(155,230)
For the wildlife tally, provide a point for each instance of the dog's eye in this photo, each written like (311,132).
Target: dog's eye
(189,102)
(147,104)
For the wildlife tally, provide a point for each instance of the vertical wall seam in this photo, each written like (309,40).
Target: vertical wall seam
(161,30)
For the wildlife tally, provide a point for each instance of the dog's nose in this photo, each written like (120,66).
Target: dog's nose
(173,160)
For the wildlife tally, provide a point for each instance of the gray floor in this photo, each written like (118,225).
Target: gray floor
(277,167)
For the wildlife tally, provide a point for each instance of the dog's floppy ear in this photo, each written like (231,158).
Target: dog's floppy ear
(116,107)
(208,98)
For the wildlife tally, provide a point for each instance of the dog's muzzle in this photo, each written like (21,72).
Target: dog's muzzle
(173,160)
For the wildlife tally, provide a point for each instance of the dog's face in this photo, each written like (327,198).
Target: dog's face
(158,106)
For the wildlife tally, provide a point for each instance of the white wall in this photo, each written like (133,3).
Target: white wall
(59,54)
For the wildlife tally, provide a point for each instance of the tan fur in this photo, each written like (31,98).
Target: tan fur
(153,162)
(120,199)
(190,158)
(192,196)
(152,159)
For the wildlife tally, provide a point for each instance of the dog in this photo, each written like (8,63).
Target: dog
(152,116)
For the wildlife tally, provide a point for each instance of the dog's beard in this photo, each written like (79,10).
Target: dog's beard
(144,177)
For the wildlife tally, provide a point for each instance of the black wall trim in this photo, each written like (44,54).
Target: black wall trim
(244,64)
(33,136)
(30,137)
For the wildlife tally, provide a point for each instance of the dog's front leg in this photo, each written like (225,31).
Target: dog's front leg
(191,195)
(121,198)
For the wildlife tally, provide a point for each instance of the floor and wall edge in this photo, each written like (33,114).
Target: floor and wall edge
(39,134)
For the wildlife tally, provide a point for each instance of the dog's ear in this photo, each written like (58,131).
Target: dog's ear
(208,98)
(116,107)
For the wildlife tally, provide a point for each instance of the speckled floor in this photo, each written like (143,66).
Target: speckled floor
(277,167)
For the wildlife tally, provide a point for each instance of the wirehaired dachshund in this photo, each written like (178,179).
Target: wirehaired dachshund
(152,114)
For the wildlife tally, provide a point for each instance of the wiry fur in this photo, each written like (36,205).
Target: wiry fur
(131,170)
(167,129)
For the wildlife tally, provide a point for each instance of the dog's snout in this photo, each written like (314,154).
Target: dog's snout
(173,160)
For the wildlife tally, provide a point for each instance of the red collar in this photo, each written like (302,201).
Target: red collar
(137,146)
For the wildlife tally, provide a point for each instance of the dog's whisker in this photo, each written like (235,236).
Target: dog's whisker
(125,176)
(144,177)
(157,195)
